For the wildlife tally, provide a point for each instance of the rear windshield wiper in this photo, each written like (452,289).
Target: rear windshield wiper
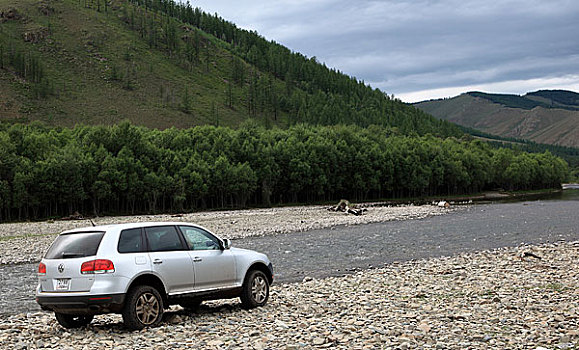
(67,255)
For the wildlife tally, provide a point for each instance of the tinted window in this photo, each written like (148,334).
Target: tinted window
(163,238)
(75,245)
(199,239)
(131,241)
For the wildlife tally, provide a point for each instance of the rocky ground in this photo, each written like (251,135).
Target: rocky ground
(485,300)
(27,242)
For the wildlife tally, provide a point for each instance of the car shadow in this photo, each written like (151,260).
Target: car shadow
(174,316)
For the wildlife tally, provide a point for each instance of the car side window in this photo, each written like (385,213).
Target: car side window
(131,241)
(163,238)
(199,239)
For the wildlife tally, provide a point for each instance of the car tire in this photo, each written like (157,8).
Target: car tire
(255,291)
(143,308)
(73,321)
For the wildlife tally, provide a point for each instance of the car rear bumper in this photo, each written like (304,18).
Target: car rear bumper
(82,305)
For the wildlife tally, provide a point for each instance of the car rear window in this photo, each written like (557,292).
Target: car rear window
(75,245)
(131,241)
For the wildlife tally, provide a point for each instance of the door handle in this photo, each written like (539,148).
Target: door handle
(157,261)
(197,259)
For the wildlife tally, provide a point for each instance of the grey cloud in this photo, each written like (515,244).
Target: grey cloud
(405,46)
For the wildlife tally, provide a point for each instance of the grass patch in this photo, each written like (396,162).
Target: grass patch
(557,287)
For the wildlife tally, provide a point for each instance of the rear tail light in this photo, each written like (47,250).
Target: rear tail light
(42,269)
(97,267)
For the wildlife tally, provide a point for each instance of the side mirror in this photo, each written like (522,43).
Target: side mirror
(226,244)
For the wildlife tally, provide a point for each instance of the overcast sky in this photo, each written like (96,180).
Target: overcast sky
(423,49)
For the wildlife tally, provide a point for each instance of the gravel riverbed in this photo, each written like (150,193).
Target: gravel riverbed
(28,241)
(483,300)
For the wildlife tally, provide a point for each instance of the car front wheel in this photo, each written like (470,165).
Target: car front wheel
(73,321)
(143,308)
(255,290)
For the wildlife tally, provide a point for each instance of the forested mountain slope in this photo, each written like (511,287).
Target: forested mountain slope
(161,64)
(150,105)
(545,116)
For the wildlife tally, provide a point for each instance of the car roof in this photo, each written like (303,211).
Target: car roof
(127,226)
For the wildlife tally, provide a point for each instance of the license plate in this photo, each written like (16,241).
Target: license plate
(62,283)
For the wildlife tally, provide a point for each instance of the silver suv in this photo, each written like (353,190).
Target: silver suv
(140,269)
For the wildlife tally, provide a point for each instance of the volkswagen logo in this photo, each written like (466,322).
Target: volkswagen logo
(61,268)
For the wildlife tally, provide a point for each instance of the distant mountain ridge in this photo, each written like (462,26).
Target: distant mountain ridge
(543,98)
(544,116)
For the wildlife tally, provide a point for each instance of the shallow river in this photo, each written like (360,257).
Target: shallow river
(340,250)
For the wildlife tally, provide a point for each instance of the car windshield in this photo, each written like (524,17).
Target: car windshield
(75,245)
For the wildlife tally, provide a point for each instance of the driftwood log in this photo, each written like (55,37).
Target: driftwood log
(344,206)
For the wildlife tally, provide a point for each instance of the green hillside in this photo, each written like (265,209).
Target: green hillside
(162,64)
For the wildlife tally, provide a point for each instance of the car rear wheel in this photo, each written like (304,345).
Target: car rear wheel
(255,290)
(73,321)
(143,308)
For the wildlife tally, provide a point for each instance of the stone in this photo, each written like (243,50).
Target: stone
(281,324)
(216,342)
(404,346)
(318,341)
(425,327)
(175,319)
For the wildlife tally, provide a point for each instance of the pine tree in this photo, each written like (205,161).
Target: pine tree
(229,94)
(186,101)
(215,113)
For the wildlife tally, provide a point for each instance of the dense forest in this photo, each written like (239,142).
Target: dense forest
(47,172)
(557,97)
(551,99)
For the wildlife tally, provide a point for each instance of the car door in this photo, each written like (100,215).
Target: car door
(170,258)
(214,267)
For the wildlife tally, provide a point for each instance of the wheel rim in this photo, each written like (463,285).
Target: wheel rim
(148,308)
(259,289)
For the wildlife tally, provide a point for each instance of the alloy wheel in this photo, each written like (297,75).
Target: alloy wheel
(148,308)
(259,289)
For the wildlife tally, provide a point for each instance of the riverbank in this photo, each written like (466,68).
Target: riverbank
(488,196)
(27,242)
(484,300)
